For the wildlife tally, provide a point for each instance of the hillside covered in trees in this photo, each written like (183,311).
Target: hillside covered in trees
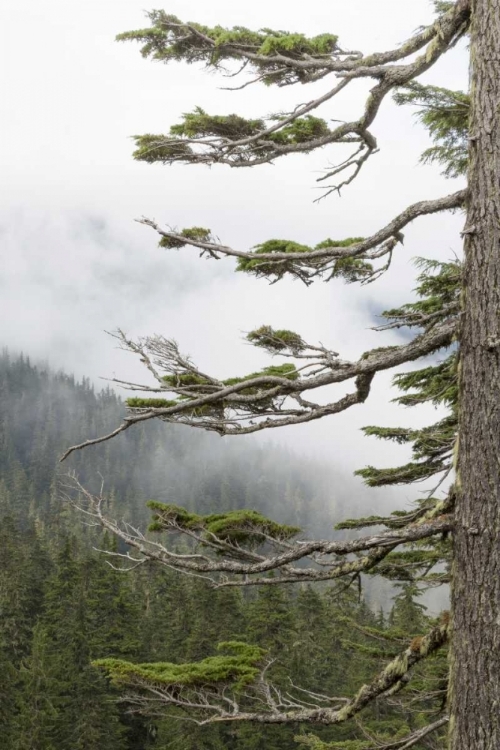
(62,606)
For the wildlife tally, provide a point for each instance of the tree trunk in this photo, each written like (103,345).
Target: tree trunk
(475,660)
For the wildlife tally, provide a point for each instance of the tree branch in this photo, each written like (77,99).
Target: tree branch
(239,143)
(211,700)
(257,403)
(317,262)
(236,563)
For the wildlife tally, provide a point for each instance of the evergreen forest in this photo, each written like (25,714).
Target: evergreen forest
(62,606)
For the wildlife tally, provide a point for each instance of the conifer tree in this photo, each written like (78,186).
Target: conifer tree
(36,714)
(459,307)
(9,695)
(85,717)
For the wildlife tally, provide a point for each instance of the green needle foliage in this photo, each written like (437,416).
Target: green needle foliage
(196,383)
(235,527)
(199,123)
(238,667)
(276,341)
(277,623)
(194,233)
(432,447)
(446,115)
(286,370)
(349,269)
(170,39)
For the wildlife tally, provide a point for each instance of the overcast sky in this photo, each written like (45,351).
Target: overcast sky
(75,264)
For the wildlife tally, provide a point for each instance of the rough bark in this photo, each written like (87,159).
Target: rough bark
(475,665)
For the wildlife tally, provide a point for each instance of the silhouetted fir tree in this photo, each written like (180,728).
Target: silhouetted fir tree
(165,613)
(407,614)
(317,638)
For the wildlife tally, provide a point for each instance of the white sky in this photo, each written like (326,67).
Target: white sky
(75,264)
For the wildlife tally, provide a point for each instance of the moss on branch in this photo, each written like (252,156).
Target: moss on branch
(234,527)
(286,371)
(238,665)
(169,39)
(350,269)
(199,124)
(197,234)
(276,340)
(153,148)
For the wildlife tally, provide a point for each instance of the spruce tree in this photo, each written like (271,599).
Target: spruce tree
(460,307)
(36,714)
(85,718)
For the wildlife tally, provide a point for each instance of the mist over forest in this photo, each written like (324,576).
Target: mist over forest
(48,411)
(333,584)
(63,606)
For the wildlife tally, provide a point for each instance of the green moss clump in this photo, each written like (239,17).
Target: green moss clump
(169,515)
(297,45)
(261,267)
(216,409)
(276,340)
(238,666)
(199,124)
(186,379)
(233,527)
(350,269)
(286,370)
(246,526)
(302,130)
(198,234)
